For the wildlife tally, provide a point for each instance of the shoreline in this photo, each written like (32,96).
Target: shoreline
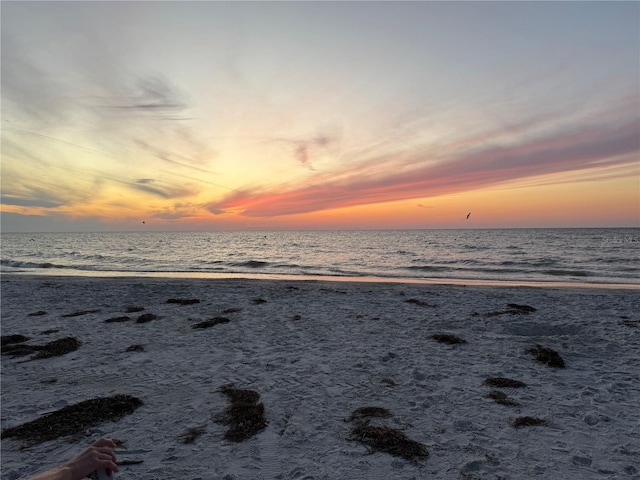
(211,276)
(316,353)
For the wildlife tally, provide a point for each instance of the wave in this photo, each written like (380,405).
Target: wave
(543,262)
(567,273)
(22,264)
(251,264)
(498,255)
(429,268)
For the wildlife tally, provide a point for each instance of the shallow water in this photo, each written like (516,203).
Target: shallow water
(573,256)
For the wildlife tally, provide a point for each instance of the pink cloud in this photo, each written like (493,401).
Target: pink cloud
(412,174)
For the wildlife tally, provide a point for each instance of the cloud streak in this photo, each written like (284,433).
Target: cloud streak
(153,95)
(167,192)
(590,148)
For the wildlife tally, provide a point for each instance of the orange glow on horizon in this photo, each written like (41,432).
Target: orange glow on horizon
(509,205)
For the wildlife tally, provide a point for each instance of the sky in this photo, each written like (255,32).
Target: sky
(319,115)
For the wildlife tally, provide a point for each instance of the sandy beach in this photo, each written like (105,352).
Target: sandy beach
(318,356)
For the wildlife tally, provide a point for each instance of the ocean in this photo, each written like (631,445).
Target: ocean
(520,256)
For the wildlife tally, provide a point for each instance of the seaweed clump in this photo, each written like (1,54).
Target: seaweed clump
(123,318)
(192,434)
(146,317)
(547,356)
(501,382)
(380,438)
(448,338)
(80,313)
(211,322)
(183,301)
(516,309)
(388,440)
(513,309)
(419,303)
(529,422)
(73,419)
(55,348)
(12,339)
(244,417)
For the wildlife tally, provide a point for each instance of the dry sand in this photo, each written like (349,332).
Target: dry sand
(316,352)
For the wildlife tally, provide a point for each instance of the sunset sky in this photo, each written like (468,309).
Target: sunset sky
(305,115)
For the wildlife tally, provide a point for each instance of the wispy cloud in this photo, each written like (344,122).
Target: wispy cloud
(567,150)
(37,198)
(152,95)
(161,189)
(132,120)
(304,148)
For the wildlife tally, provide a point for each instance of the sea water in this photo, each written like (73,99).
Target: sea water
(575,256)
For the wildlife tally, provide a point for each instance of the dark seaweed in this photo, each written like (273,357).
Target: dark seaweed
(448,338)
(74,419)
(244,417)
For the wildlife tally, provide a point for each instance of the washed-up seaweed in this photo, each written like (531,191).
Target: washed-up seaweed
(520,309)
(211,322)
(192,434)
(11,339)
(448,338)
(146,317)
(52,349)
(501,382)
(57,348)
(232,310)
(382,438)
(20,350)
(547,356)
(388,440)
(244,417)
(80,313)
(74,419)
(529,422)
(419,303)
(183,301)
(123,318)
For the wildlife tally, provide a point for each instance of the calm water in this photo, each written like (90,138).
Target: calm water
(515,255)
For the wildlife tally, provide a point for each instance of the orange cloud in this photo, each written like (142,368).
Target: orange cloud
(591,149)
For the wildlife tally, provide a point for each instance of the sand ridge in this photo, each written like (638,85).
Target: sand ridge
(317,351)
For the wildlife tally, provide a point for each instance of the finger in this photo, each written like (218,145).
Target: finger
(112,467)
(105,442)
(105,451)
(107,459)
(106,464)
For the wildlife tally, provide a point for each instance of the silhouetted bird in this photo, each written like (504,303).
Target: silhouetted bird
(468,215)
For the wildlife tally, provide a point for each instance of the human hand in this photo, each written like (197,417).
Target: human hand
(98,456)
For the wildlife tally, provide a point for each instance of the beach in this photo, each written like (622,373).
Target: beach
(316,353)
